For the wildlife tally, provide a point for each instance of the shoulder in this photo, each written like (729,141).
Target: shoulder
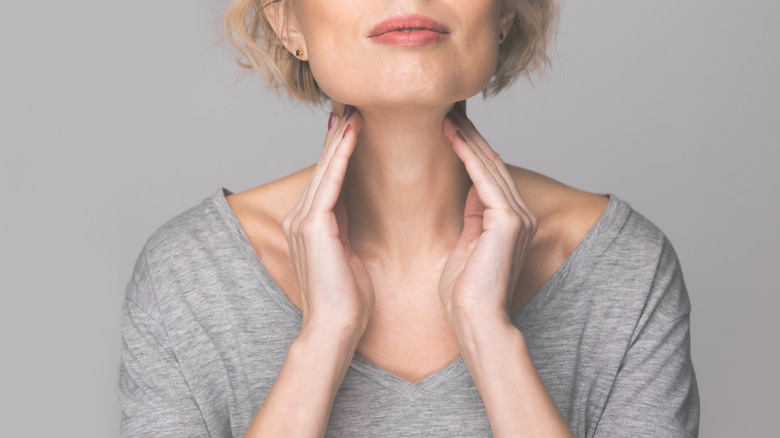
(572,214)
(623,261)
(188,230)
(260,212)
(607,230)
(180,250)
(565,214)
(266,205)
(623,254)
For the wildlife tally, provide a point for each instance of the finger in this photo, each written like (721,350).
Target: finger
(472,217)
(480,167)
(333,126)
(336,130)
(340,211)
(353,120)
(527,220)
(329,187)
(468,129)
(470,132)
(473,139)
(490,192)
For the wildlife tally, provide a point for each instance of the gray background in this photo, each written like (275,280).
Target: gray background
(116,116)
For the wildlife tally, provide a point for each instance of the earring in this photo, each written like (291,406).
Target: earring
(501,38)
(298,53)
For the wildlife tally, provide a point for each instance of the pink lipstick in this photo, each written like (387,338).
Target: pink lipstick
(410,31)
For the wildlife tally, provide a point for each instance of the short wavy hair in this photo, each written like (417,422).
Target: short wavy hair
(523,51)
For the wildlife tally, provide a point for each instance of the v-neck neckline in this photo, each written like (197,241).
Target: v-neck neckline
(456,367)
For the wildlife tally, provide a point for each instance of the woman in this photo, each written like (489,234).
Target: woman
(411,283)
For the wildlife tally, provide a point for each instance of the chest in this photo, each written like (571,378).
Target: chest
(243,331)
(408,335)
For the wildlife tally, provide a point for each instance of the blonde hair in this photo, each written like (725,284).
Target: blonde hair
(523,51)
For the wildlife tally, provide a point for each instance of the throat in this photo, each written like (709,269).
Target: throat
(404,183)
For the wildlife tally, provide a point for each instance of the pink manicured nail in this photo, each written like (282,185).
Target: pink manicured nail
(330,119)
(346,131)
(459,135)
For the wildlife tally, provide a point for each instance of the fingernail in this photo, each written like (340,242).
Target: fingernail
(346,131)
(459,135)
(330,119)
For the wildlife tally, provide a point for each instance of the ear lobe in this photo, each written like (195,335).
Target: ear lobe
(287,28)
(507,18)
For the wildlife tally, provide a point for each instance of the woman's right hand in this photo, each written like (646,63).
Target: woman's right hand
(336,294)
(336,297)
(336,291)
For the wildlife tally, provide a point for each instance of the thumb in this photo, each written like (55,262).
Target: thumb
(472,216)
(340,211)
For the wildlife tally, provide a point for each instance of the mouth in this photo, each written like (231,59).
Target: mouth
(409,30)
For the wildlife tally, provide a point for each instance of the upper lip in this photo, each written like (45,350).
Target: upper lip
(408,22)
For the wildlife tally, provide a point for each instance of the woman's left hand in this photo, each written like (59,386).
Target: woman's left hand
(480,276)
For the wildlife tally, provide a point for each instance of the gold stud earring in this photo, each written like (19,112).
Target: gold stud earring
(298,53)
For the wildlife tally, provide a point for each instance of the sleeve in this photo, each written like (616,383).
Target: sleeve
(153,393)
(654,393)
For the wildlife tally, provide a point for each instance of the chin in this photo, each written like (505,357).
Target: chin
(406,93)
(406,82)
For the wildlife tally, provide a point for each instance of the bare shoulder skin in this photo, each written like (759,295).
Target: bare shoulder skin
(565,215)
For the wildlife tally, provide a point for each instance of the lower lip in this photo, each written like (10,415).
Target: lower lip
(417,38)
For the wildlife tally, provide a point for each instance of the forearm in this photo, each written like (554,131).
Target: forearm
(301,398)
(516,401)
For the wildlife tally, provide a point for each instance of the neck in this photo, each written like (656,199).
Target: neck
(405,187)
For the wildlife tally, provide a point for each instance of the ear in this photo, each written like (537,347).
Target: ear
(507,18)
(285,23)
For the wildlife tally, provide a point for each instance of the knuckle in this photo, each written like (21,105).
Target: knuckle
(295,227)
(288,225)
(287,221)
(506,215)
(533,221)
(304,226)
(490,162)
(307,228)
(528,225)
(482,177)
(515,222)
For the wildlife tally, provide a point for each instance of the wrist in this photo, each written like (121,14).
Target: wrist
(476,313)
(329,335)
(482,337)
(476,321)
(331,351)
(336,322)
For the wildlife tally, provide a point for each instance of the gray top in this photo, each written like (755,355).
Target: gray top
(206,331)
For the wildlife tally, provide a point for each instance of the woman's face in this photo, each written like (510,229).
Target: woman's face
(444,51)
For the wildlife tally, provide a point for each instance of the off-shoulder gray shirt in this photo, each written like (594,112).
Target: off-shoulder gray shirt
(205,331)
